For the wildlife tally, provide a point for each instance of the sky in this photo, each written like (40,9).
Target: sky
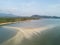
(30,7)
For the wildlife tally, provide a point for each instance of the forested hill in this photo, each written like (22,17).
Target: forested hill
(40,16)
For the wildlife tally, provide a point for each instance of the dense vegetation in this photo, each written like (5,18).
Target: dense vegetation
(14,19)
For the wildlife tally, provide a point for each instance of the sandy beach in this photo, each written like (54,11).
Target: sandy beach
(26,32)
(7,23)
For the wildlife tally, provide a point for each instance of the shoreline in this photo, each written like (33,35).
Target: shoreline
(14,22)
(11,22)
(6,23)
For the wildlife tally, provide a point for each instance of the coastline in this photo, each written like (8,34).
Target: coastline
(15,22)
(6,23)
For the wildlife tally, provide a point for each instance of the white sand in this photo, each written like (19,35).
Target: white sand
(7,23)
(24,32)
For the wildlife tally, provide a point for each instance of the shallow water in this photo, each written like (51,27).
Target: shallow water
(35,32)
(6,33)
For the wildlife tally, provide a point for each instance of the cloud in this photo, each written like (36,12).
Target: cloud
(30,7)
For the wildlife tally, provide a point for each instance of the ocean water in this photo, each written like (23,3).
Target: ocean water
(34,32)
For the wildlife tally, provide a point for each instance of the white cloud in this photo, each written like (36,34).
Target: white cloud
(33,8)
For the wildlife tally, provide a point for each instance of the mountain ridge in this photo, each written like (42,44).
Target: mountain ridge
(7,15)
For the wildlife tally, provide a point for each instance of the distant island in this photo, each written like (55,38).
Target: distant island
(39,16)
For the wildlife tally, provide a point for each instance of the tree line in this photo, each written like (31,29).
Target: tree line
(14,19)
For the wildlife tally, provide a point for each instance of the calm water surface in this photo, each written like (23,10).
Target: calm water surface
(50,36)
